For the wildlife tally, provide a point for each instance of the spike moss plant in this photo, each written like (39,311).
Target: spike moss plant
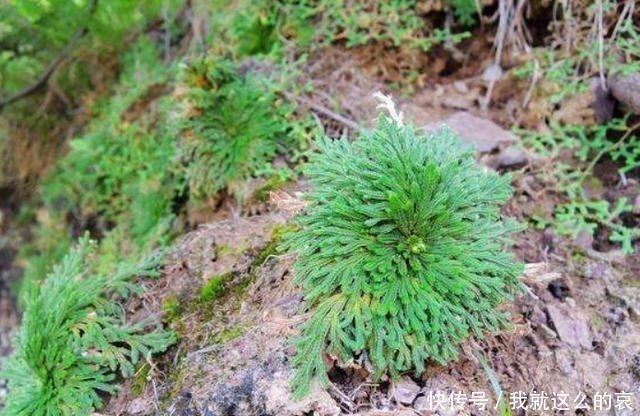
(402,251)
(74,338)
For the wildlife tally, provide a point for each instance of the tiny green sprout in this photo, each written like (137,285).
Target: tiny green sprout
(172,308)
(212,289)
(416,244)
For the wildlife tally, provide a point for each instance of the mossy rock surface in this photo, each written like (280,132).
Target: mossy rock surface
(234,355)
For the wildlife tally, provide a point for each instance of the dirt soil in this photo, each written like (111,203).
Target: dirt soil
(575,325)
(575,329)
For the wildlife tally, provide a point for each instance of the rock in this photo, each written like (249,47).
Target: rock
(626,89)
(139,406)
(405,390)
(278,400)
(423,404)
(616,316)
(592,106)
(461,87)
(421,113)
(576,109)
(593,188)
(627,293)
(571,302)
(538,316)
(559,288)
(456,101)
(571,325)
(403,412)
(597,270)
(3,391)
(591,367)
(539,274)
(634,367)
(564,362)
(584,240)
(492,73)
(548,239)
(424,407)
(484,135)
(603,104)
(512,156)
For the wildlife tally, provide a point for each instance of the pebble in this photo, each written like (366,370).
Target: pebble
(570,325)
(461,87)
(482,134)
(512,156)
(584,240)
(626,89)
(405,390)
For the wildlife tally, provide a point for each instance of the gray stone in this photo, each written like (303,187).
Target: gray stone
(512,156)
(422,404)
(405,390)
(626,89)
(484,135)
(603,104)
(597,270)
(492,73)
(571,325)
(591,366)
(461,87)
(139,406)
(584,240)
(424,407)
(278,400)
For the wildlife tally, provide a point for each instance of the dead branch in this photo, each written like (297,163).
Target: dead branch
(325,111)
(53,66)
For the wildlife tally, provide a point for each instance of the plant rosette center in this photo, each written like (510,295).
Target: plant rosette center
(413,245)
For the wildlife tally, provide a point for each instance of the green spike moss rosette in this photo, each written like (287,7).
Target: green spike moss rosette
(74,338)
(402,251)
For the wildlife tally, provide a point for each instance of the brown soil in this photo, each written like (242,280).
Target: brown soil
(575,329)
(575,326)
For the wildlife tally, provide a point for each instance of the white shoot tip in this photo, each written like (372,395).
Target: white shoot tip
(386,103)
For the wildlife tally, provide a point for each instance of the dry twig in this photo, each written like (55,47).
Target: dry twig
(53,66)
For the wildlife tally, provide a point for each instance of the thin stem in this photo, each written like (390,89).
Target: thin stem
(607,150)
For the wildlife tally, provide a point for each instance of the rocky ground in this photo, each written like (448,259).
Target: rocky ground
(8,323)
(575,326)
(575,330)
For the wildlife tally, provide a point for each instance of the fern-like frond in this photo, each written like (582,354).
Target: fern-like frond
(402,251)
(74,338)
(235,126)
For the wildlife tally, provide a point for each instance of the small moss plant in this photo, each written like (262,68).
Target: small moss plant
(402,251)
(212,289)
